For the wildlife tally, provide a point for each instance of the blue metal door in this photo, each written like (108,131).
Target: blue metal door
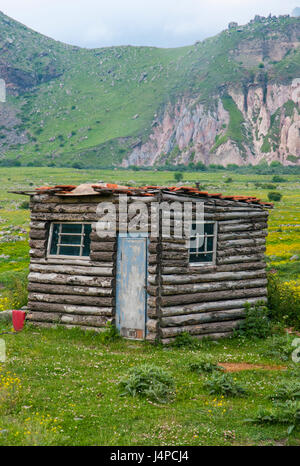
(131,285)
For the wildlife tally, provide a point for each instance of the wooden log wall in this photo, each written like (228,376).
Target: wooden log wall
(209,300)
(72,291)
(202,300)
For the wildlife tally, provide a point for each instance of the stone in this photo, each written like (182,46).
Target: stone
(294,258)
(6,315)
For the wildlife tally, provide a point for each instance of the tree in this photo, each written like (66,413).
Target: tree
(200,166)
(178,176)
(278,179)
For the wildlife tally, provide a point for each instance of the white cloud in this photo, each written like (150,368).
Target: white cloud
(96,23)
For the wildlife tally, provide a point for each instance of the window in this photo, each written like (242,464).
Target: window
(202,248)
(69,239)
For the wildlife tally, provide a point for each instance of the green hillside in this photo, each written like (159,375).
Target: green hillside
(70,106)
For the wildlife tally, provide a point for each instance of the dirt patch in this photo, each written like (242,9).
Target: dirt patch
(245,366)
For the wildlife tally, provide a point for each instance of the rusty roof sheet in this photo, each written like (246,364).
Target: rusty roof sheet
(88,189)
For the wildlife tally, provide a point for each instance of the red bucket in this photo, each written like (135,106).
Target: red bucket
(18,318)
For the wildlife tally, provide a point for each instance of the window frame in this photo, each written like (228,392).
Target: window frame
(64,256)
(215,241)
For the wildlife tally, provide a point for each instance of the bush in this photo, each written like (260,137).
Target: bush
(178,176)
(24,205)
(268,186)
(184,339)
(77,165)
(229,180)
(287,391)
(10,163)
(256,323)
(204,365)
(278,179)
(279,347)
(283,301)
(224,384)
(110,334)
(280,413)
(274,196)
(149,381)
(294,372)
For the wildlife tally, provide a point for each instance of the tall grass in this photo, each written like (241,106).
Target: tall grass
(16,294)
(284,301)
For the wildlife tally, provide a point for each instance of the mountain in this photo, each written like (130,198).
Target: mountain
(232,98)
(296,11)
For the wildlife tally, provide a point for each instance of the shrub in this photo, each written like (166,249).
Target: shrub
(77,165)
(229,180)
(149,381)
(280,413)
(294,372)
(274,196)
(278,179)
(110,334)
(204,365)
(287,391)
(256,323)
(279,347)
(178,176)
(283,301)
(268,186)
(184,339)
(24,205)
(223,384)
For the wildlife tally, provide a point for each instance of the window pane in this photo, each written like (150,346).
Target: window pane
(197,244)
(87,240)
(53,248)
(70,239)
(210,244)
(209,228)
(77,234)
(194,258)
(71,228)
(69,251)
(194,244)
(202,228)
(202,243)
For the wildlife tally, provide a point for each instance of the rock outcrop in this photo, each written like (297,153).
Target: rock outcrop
(191,132)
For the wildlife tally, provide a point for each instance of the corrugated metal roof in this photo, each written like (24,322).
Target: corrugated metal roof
(89,189)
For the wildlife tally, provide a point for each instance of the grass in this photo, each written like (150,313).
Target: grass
(283,241)
(62,386)
(234,130)
(82,103)
(66,392)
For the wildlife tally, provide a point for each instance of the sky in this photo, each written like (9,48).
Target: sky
(161,23)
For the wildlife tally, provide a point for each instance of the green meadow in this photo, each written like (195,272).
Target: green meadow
(283,242)
(62,387)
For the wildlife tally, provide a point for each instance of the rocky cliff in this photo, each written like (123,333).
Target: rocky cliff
(238,128)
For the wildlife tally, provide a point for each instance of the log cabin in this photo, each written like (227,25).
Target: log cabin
(91,264)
